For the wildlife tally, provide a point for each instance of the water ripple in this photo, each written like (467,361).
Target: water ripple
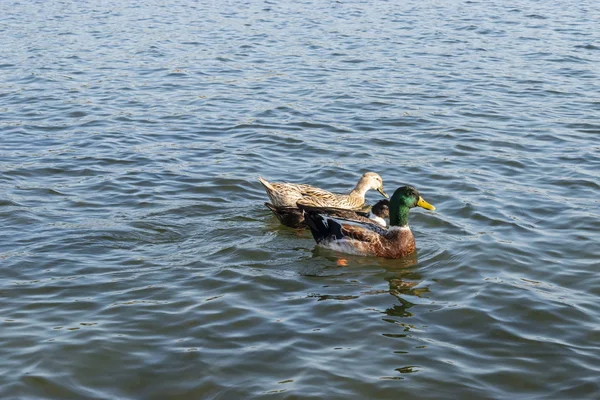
(139,259)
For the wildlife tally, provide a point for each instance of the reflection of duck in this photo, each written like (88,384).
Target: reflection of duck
(283,194)
(367,238)
(404,284)
(294,217)
(403,281)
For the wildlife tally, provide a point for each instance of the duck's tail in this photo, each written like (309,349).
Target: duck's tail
(272,208)
(321,227)
(265,183)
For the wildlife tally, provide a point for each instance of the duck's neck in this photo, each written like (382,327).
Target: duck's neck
(361,188)
(399,216)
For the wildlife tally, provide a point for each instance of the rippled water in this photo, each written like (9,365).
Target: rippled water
(138,260)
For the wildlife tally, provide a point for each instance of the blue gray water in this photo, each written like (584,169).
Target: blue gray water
(138,260)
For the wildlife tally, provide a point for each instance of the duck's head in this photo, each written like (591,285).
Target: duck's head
(372,180)
(403,199)
(381,208)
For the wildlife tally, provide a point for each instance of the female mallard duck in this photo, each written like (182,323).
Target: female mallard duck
(362,238)
(294,217)
(284,194)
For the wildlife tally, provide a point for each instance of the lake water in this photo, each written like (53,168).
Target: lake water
(137,258)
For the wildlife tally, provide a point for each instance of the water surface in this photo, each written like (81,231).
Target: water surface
(139,262)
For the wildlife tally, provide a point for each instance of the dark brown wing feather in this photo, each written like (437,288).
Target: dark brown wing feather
(338,213)
(288,216)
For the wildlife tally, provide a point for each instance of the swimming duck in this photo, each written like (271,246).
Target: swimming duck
(364,238)
(379,211)
(283,194)
(294,217)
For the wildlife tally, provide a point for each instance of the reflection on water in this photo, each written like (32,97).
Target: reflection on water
(358,282)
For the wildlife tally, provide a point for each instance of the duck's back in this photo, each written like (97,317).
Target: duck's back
(328,199)
(283,194)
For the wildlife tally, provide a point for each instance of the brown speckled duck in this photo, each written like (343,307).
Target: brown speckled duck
(364,238)
(283,194)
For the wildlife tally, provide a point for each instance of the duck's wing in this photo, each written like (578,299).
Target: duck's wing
(323,198)
(338,213)
(325,226)
(362,232)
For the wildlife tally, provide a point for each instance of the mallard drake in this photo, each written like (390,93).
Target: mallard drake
(294,217)
(283,194)
(364,238)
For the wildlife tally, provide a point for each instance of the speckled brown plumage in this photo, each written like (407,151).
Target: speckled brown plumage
(283,194)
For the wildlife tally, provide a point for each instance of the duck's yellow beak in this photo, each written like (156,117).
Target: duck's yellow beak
(424,204)
(384,194)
